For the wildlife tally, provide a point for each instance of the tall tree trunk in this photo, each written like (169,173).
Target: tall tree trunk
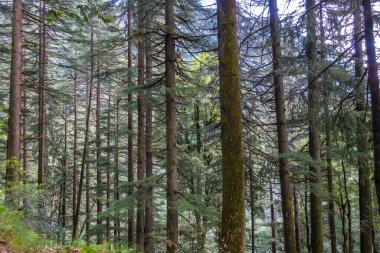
(75,150)
(296,226)
(343,221)
(314,139)
(233,216)
(64,177)
(24,144)
(131,225)
(171,131)
(85,144)
(200,219)
(364,168)
(14,123)
(108,169)
(272,217)
(373,84)
(348,204)
(87,187)
(99,186)
(252,205)
(88,211)
(140,129)
(307,219)
(117,173)
(41,99)
(149,156)
(282,133)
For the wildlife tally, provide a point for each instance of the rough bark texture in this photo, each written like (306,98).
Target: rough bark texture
(282,133)
(140,130)
(373,84)
(14,123)
(365,171)
(314,139)
(171,131)
(131,216)
(41,98)
(149,156)
(233,216)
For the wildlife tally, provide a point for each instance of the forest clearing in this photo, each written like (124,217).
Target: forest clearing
(182,126)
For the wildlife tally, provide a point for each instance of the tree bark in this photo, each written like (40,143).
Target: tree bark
(41,99)
(140,130)
(14,122)
(171,130)
(252,205)
(75,150)
(272,217)
(233,216)
(282,133)
(131,225)
(117,174)
(365,173)
(99,185)
(314,139)
(108,168)
(296,226)
(373,84)
(64,178)
(149,156)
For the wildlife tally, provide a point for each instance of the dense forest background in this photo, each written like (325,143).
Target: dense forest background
(190,126)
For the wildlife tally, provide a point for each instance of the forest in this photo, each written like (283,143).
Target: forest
(184,126)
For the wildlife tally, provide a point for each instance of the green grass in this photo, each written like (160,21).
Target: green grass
(21,239)
(14,232)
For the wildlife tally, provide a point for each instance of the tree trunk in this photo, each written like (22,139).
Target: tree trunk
(131,225)
(348,204)
(75,150)
(149,156)
(314,139)
(85,144)
(272,217)
(14,122)
(140,130)
(64,178)
(117,174)
(233,216)
(171,131)
(252,205)
(373,84)
(41,99)
(308,245)
(108,169)
(24,144)
(296,226)
(365,173)
(282,133)
(99,207)
(88,211)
